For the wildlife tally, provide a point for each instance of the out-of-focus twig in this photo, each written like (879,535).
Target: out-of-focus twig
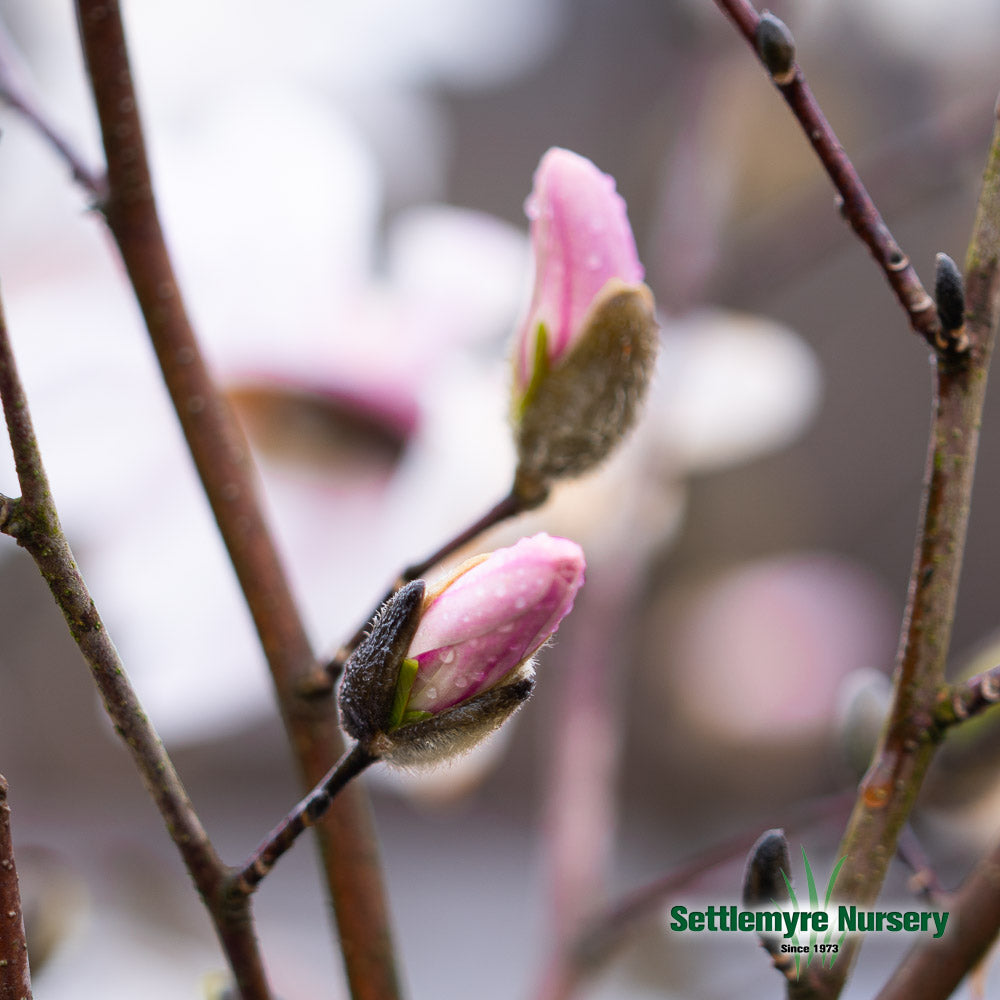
(935,967)
(17,92)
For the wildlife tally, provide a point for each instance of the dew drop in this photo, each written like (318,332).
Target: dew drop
(448,655)
(594,261)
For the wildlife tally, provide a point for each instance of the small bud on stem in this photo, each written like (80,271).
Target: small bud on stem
(949,293)
(776,48)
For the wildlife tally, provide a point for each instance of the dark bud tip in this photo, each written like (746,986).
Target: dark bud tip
(368,687)
(768,858)
(776,48)
(949,293)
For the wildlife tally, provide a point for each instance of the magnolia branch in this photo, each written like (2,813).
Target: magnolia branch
(223,461)
(33,522)
(15,976)
(305,814)
(777,53)
(909,740)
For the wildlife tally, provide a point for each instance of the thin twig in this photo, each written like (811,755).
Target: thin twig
(909,740)
(935,967)
(302,816)
(857,205)
(18,93)
(968,699)
(222,458)
(34,523)
(510,506)
(617,925)
(15,976)
(924,881)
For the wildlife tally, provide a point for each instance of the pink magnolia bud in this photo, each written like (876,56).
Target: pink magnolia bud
(437,673)
(484,622)
(586,348)
(581,240)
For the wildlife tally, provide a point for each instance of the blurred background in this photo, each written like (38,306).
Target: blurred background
(343,187)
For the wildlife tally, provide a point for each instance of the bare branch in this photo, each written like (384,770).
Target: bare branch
(857,205)
(909,740)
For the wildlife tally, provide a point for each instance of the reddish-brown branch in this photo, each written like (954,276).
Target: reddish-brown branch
(934,968)
(15,976)
(224,464)
(510,506)
(857,205)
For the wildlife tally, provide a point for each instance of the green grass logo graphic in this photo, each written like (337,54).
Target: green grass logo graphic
(827,955)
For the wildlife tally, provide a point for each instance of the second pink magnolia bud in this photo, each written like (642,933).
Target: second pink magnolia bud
(585,349)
